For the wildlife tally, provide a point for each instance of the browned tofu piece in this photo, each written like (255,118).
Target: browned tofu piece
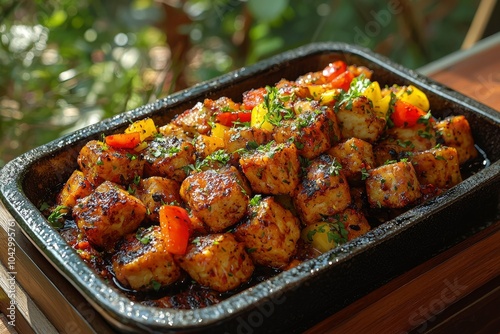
(76,187)
(155,191)
(217,261)
(393,186)
(419,137)
(100,162)
(236,139)
(386,151)
(355,156)
(270,234)
(324,190)
(168,157)
(217,197)
(107,214)
(141,262)
(354,222)
(438,166)
(272,168)
(359,120)
(172,130)
(456,132)
(313,132)
(398,141)
(195,121)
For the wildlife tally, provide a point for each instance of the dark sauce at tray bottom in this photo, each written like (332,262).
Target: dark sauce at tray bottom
(187,294)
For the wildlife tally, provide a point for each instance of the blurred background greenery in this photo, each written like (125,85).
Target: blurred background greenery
(65,64)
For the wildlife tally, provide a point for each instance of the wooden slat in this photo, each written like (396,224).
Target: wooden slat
(50,294)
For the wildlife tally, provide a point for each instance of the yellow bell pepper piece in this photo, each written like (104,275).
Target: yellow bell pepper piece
(146,128)
(316,91)
(328,97)
(319,236)
(374,94)
(258,119)
(218,130)
(414,96)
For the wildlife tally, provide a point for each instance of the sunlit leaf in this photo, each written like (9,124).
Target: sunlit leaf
(57,18)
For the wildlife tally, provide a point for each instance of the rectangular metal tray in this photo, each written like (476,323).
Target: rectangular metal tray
(298,298)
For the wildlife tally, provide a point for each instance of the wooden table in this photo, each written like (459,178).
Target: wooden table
(455,291)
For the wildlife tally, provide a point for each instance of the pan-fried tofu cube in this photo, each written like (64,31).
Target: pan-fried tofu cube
(100,162)
(168,157)
(107,214)
(217,197)
(217,261)
(270,234)
(456,132)
(76,187)
(354,222)
(324,190)
(355,156)
(155,191)
(142,263)
(393,186)
(358,119)
(195,121)
(398,141)
(313,132)
(439,167)
(272,168)
(236,139)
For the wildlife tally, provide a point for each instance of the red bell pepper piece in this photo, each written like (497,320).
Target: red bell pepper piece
(124,140)
(343,81)
(334,69)
(406,115)
(229,118)
(176,228)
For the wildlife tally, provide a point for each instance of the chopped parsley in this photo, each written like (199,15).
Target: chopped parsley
(358,86)
(276,110)
(56,218)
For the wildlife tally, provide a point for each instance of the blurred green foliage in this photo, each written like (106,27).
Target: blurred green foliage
(66,64)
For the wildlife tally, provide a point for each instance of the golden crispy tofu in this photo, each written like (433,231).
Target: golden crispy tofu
(236,139)
(172,130)
(393,186)
(77,186)
(398,141)
(100,162)
(355,156)
(438,166)
(168,157)
(313,132)
(324,190)
(358,119)
(217,261)
(272,169)
(217,197)
(107,214)
(155,191)
(270,233)
(141,262)
(354,222)
(455,132)
(195,121)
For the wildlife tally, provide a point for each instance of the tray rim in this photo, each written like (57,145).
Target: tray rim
(124,313)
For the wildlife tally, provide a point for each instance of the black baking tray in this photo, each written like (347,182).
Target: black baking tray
(296,299)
